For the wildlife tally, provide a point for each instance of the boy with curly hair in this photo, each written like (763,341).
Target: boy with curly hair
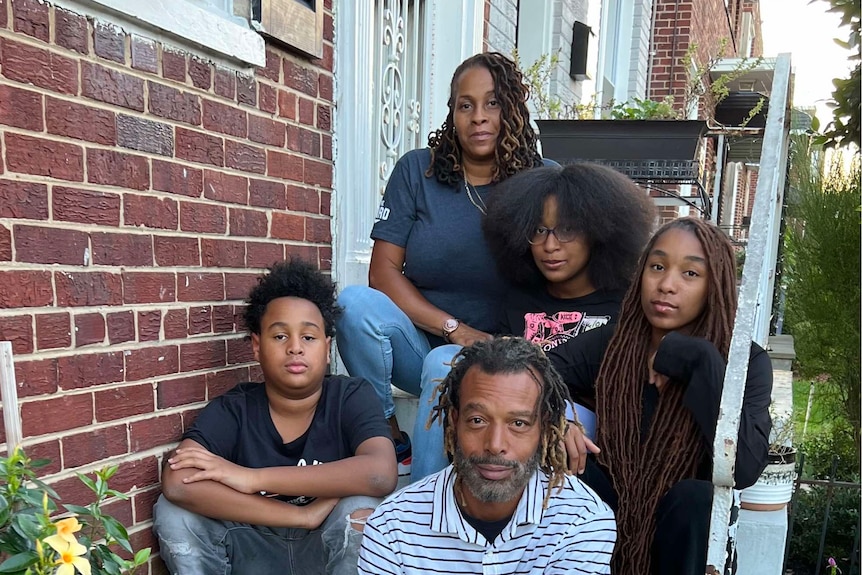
(271,476)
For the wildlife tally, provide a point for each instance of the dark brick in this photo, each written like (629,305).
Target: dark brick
(149,287)
(222,254)
(303,200)
(328,27)
(109,42)
(94,445)
(237,286)
(174,104)
(32,65)
(50,245)
(306,112)
(318,230)
(176,251)
(122,249)
(30,17)
(177,179)
(176,324)
(174,64)
(5,244)
(325,203)
(150,211)
(272,70)
(151,362)
(203,355)
(71,30)
(150,433)
(3,22)
(325,257)
(182,391)
(113,168)
(246,90)
(288,226)
(123,402)
(262,255)
(239,351)
(149,325)
(56,414)
(221,381)
(287,105)
(326,146)
(201,73)
(200,287)
(91,369)
(300,78)
(318,173)
(35,378)
(200,320)
(324,86)
(199,147)
(23,200)
(144,54)
(267,98)
(18,329)
(112,87)
(224,83)
(121,327)
(305,253)
(223,187)
(88,288)
(44,158)
(20,108)
(89,329)
(223,319)
(265,131)
(225,119)
(244,157)
(24,288)
(86,206)
(145,135)
(309,142)
(284,166)
(81,122)
(203,218)
(324,117)
(266,194)
(249,223)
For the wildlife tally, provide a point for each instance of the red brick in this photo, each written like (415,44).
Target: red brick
(223,118)
(325,257)
(305,253)
(19,330)
(149,325)
(150,211)
(109,42)
(123,402)
(303,200)
(112,87)
(309,142)
(51,245)
(262,255)
(285,166)
(223,187)
(90,369)
(88,288)
(49,450)
(326,146)
(136,475)
(70,30)
(31,17)
(239,351)
(112,168)
(223,380)
(156,431)
(144,55)
(32,65)
(20,108)
(5,244)
(251,223)
(86,206)
(318,173)
(3,23)
(94,445)
(200,287)
(174,64)
(176,251)
(272,70)
(121,249)
(328,28)
(200,72)
(306,112)
(300,78)
(148,287)
(324,117)
(224,83)
(244,157)
(328,57)
(293,137)
(318,230)
(177,179)
(267,99)
(173,104)
(199,147)
(143,503)
(288,226)
(176,324)
(56,414)
(145,135)
(246,90)
(223,319)
(23,200)
(28,155)
(151,362)
(53,330)
(267,194)
(34,378)
(72,120)
(287,105)
(203,218)
(238,285)
(25,289)
(222,253)
(324,86)
(121,327)
(89,329)
(265,131)
(202,355)
(200,320)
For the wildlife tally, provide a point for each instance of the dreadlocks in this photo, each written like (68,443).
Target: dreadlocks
(643,471)
(516,146)
(508,355)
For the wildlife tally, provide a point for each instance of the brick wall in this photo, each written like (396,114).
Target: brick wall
(142,190)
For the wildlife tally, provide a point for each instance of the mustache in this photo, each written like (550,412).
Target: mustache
(492,460)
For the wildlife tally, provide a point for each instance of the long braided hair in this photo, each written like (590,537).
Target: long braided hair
(516,145)
(643,471)
(512,355)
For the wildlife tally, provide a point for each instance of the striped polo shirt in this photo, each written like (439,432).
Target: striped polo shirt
(420,530)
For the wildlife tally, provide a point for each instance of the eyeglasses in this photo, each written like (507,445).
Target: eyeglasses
(563,235)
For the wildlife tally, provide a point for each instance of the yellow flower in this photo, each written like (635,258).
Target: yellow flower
(66,529)
(70,558)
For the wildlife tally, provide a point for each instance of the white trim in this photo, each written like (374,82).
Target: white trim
(223,35)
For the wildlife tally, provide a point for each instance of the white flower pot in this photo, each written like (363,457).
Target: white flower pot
(774,487)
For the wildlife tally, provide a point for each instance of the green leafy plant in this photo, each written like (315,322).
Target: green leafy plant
(35,541)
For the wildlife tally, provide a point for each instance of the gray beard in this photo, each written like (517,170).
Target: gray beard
(494,491)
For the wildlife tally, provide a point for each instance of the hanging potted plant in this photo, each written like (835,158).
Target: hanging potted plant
(774,487)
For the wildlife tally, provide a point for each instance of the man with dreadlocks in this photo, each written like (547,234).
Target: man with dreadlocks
(656,383)
(506,500)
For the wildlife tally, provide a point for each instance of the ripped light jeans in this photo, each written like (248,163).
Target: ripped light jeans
(191,544)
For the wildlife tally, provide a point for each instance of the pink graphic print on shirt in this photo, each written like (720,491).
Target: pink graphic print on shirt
(551,331)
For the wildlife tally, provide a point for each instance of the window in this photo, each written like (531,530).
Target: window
(296,23)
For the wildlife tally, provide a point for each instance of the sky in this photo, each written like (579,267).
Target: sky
(806,30)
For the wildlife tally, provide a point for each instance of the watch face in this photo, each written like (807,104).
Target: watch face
(450,325)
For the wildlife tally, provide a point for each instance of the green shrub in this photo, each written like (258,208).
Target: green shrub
(808,512)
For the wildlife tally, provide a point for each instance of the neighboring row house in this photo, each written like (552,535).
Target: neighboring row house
(156,156)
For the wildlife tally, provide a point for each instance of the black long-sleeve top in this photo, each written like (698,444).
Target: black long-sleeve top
(697,364)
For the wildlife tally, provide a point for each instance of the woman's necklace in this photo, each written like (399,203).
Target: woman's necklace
(477,201)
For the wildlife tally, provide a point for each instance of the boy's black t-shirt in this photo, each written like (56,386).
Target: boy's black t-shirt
(238,427)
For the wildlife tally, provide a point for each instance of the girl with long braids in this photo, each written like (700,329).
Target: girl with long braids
(432,279)
(656,382)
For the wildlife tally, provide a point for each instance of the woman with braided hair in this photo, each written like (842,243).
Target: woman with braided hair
(656,383)
(432,278)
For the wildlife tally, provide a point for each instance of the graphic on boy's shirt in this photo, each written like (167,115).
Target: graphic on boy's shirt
(299,500)
(550,331)
(382,212)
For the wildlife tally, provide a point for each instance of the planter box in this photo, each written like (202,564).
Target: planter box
(774,487)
